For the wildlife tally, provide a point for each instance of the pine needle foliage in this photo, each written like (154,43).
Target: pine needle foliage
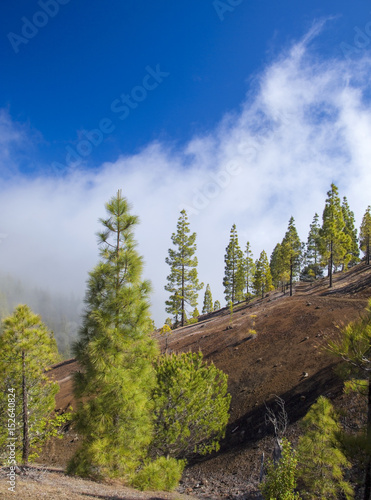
(312,258)
(354,347)
(162,474)
(191,406)
(233,280)
(263,276)
(249,271)
(217,305)
(208,301)
(335,243)
(321,461)
(183,284)
(365,235)
(291,252)
(116,356)
(27,349)
(350,230)
(280,276)
(280,481)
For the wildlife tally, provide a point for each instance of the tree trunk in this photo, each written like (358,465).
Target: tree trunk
(367,494)
(291,273)
(262,472)
(26,439)
(183,295)
(277,450)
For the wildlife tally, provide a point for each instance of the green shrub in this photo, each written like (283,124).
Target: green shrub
(321,461)
(191,406)
(162,474)
(280,480)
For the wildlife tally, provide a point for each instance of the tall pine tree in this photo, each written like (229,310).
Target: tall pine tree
(321,461)
(249,270)
(279,274)
(217,305)
(334,242)
(365,235)
(208,301)
(183,284)
(27,349)
(116,354)
(351,230)
(312,257)
(354,347)
(291,252)
(263,276)
(234,269)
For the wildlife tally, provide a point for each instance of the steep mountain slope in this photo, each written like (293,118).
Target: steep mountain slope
(272,346)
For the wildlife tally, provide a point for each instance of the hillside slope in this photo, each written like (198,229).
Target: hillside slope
(285,357)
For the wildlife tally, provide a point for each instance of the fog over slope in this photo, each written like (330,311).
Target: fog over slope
(60,312)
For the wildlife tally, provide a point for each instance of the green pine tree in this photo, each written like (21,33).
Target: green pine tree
(321,462)
(291,252)
(280,276)
(208,301)
(116,355)
(249,271)
(263,276)
(312,267)
(365,234)
(27,349)
(217,305)
(351,230)
(234,269)
(191,406)
(280,480)
(334,242)
(354,347)
(194,318)
(183,284)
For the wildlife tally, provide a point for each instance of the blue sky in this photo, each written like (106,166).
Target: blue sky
(240,111)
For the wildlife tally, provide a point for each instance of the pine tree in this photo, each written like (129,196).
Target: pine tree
(365,234)
(217,305)
(116,354)
(291,252)
(279,274)
(191,405)
(313,267)
(234,269)
(183,283)
(280,480)
(334,242)
(354,346)
(351,230)
(263,277)
(194,318)
(27,349)
(174,306)
(208,301)
(249,270)
(321,461)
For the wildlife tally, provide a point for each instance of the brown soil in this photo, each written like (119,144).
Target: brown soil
(272,346)
(52,484)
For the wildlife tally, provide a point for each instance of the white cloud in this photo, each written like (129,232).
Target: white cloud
(306,124)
